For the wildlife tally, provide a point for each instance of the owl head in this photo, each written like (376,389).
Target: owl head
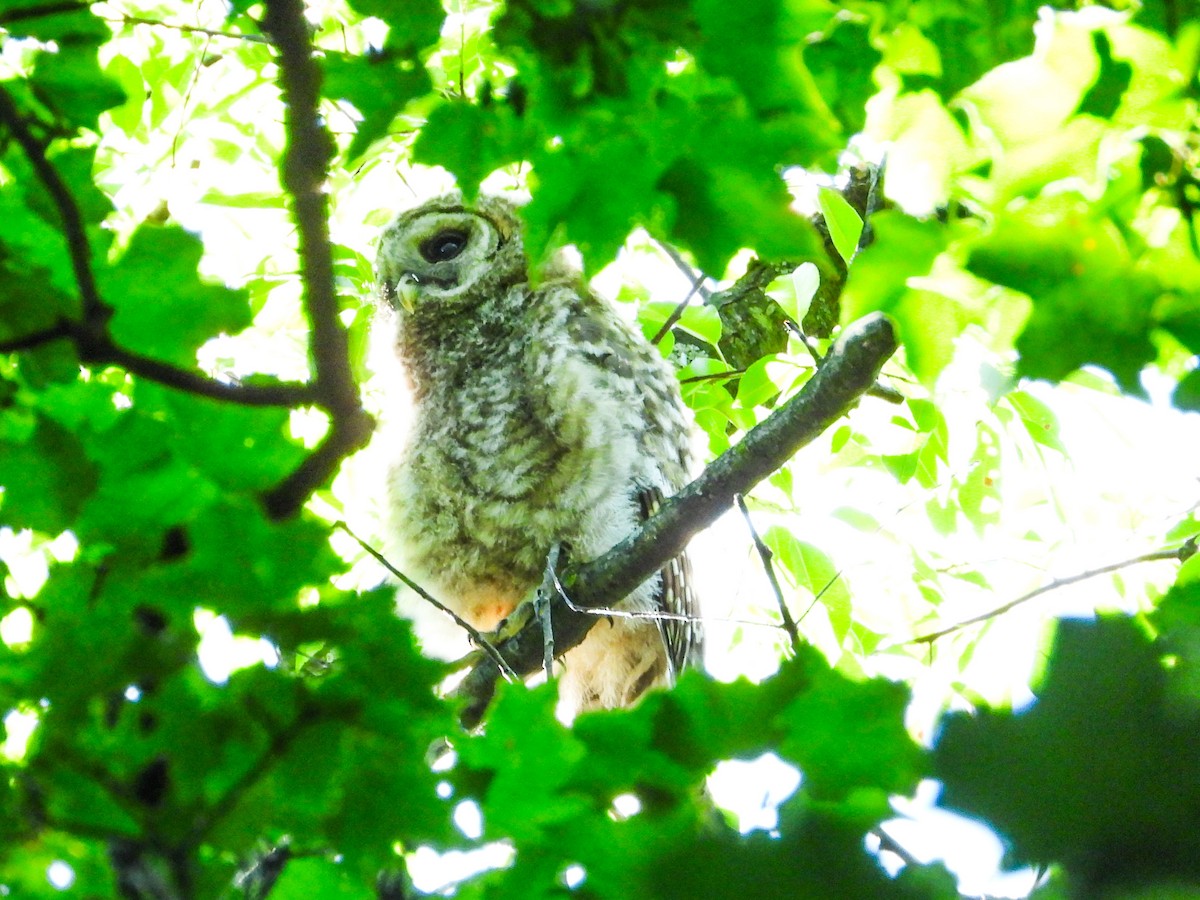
(447,252)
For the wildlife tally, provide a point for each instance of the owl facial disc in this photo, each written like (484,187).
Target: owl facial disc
(435,254)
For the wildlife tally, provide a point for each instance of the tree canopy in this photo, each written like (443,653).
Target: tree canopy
(982,566)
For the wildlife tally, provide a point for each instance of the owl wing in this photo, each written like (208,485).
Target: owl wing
(681,628)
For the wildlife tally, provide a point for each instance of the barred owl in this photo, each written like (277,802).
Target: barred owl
(539,418)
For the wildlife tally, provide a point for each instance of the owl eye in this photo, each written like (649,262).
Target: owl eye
(444,245)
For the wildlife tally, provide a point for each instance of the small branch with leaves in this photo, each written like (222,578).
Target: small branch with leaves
(850,370)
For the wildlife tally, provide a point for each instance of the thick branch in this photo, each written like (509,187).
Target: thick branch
(309,150)
(849,371)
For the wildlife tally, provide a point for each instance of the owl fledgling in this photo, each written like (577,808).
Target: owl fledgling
(539,417)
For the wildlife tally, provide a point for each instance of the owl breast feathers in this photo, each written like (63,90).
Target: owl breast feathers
(539,418)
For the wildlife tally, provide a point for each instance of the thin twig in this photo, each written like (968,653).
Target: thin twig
(229,800)
(764,553)
(695,277)
(476,635)
(543,605)
(1054,585)
(821,593)
(57,332)
(189,29)
(889,843)
(713,376)
(676,314)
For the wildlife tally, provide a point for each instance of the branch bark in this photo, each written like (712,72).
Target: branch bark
(309,151)
(850,370)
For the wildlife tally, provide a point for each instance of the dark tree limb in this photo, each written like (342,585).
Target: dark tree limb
(49,9)
(89,334)
(850,370)
(305,164)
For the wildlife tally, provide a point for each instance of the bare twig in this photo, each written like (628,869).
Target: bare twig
(694,276)
(476,635)
(309,151)
(1177,553)
(851,368)
(764,553)
(676,314)
(189,29)
(551,587)
(889,843)
(35,339)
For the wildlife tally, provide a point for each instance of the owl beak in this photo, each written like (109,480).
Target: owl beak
(405,291)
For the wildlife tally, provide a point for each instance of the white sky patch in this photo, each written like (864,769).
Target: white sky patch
(434,872)
(221,652)
(19,726)
(967,847)
(17,627)
(60,875)
(753,789)
(626,805)
(574,875)
(469,819)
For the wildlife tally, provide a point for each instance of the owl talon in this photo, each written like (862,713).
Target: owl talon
(512,624)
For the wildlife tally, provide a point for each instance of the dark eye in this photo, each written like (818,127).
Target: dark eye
(444,245)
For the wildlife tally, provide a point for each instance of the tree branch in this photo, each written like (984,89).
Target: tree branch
(50,9)
(95,312)
(93,343)
(850,370)
(1179,553)
(309,151)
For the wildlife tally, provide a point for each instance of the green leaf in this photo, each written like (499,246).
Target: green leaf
(469,140)
(721,209)
(878,280)
(759,44)
(1039,420)
(1083,283)
(163,309)
(70,82)
(794,291)
(1100,775)
(849,737)
(1187,392)
(813,571)
(844,224)
(412,25)
(46,478)
(303,879)
(842,63)
(379,85)
(24,18)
